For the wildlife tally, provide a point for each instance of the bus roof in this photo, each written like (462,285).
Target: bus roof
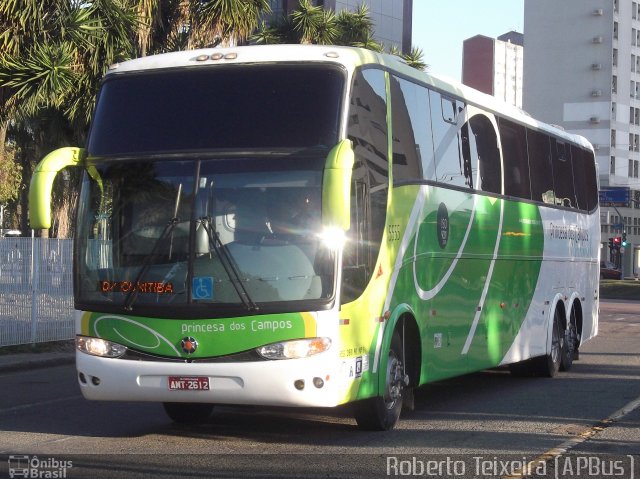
(349,58)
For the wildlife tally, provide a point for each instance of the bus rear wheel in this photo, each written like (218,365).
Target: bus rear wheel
(550,364)
(570,345)
(381,413)
(188,413)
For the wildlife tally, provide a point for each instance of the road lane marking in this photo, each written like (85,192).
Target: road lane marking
(585,435)
(35,445)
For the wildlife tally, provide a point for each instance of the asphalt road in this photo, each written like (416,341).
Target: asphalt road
(487,422)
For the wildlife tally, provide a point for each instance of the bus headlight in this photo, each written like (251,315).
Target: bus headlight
(99,347)
(296,349)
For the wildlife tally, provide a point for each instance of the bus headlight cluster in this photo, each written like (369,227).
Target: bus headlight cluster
(99,347)
(296,349)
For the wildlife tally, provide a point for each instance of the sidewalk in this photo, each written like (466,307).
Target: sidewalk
(31,360)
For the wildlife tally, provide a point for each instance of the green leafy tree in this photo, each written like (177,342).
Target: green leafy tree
(415,58)
(225,22)
(278,31)
(52,57)
(173,25)
(369,43)
(312,24)
(355,26)
(10,177)
(54,53)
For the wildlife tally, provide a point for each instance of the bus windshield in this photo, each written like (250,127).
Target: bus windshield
(239,233)
(209,108)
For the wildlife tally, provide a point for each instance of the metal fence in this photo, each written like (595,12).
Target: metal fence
(36,290)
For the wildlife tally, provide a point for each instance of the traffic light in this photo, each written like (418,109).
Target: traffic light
(617,241)
(624,239)
(610,243)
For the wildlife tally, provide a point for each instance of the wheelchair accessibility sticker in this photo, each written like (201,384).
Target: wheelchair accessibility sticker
(202,288)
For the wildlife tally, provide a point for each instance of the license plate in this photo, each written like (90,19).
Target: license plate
(188,383)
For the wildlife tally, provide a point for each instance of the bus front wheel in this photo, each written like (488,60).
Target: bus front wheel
(188,413)
(381,413)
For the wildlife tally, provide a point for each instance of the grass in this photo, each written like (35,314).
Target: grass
(620,289)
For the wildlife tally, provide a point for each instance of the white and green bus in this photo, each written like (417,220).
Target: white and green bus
(315,226)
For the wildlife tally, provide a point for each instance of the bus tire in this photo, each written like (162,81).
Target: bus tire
(570,345)
(188,413)
(550,364)
(381,413)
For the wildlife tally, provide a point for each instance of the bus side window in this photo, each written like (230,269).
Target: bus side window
(446,140)
(563,174)
(355,257)
(488,154)
(591,179)
(516,163)
(540,166)
(584,178)
(367,129)
(579,178)
(411,125)
(469,153)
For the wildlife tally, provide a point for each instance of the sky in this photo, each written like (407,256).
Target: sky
(440,27)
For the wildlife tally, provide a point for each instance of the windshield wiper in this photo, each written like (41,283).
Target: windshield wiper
(133,294)
(227,261)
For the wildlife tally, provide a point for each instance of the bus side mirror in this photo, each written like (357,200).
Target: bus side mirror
(42,183)
(336,186)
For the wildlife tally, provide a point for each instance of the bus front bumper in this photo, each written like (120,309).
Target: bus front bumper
(318,381)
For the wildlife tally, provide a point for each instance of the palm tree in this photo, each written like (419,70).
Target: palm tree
(369,43)
(354,26)
(267,34)
(306,20)
(51,64)
(162,25)
(280,30)
(414,58)
(62,54)
(226,22)
(314,25)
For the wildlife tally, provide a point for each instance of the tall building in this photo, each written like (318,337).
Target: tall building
(582,72)
(392,19)
(495,66)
